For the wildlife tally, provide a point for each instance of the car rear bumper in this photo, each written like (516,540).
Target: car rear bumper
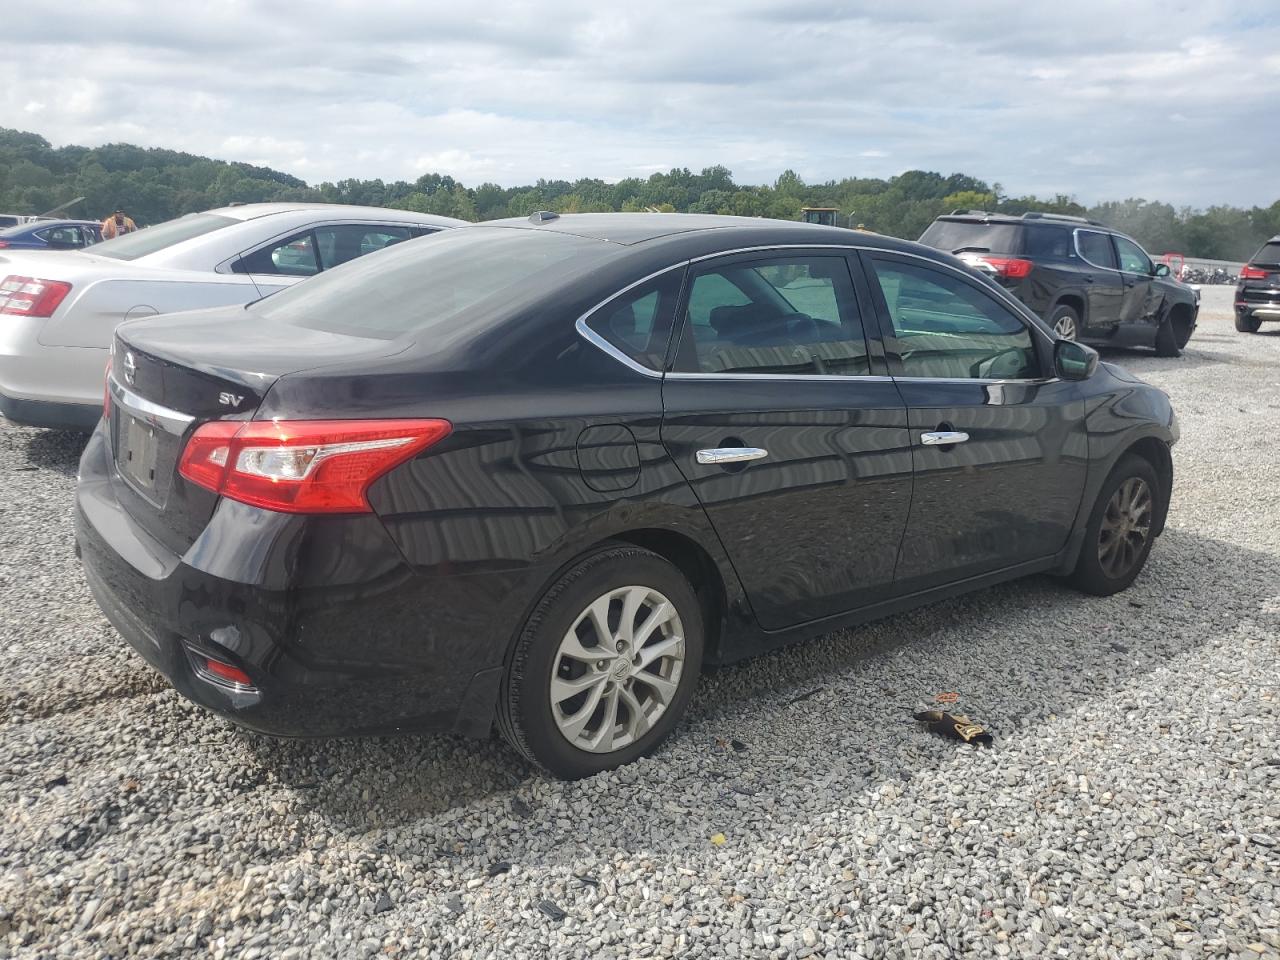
(176,615)
(42,386)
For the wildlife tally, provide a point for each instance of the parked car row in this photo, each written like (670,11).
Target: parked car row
(1087,281)
(61,308)
(535,474)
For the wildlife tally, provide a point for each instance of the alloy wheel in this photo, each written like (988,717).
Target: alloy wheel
(1126,524)
(617,669)
(1065,327)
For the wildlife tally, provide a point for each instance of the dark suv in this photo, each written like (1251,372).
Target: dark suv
(1258,292)
(1084,279)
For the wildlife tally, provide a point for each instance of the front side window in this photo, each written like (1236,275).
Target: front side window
(785,315)
(943,327)
(1133,259)
(1096,248)
(638,323)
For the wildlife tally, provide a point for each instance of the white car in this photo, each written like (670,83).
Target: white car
(59,309)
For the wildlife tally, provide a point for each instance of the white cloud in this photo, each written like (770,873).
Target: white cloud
(1041,100)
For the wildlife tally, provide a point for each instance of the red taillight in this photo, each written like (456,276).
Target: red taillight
(303,466)
(3,244)
(226,671)
(1253,273)
(31,297)
(1013,267)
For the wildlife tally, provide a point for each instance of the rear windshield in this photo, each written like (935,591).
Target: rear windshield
(424,286)
(1269,255)
(953,235)
(152,239)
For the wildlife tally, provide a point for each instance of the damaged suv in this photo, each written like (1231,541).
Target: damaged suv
(1084,279)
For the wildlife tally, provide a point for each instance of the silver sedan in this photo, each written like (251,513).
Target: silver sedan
(60,308)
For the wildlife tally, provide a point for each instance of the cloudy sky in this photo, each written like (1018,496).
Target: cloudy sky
(1163,99)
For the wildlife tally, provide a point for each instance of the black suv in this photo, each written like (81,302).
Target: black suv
(1258,292)
(1084,279)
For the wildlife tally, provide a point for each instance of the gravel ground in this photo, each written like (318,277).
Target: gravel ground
(1129,808)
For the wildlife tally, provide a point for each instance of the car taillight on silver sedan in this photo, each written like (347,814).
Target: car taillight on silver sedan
(31,296)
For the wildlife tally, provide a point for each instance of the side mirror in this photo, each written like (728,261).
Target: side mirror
(1074,361)
(1161,270)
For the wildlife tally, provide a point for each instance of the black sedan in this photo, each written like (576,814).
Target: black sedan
(536,474)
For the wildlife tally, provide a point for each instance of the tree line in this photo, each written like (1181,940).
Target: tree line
(154,184)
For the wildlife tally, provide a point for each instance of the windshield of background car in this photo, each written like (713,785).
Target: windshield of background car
(952,235)
(425,286)
(1268,256)
(149,240)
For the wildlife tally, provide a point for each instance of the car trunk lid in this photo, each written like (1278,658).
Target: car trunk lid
(170,375)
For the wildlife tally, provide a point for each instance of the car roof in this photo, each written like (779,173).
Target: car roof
(252,211)
(629,229)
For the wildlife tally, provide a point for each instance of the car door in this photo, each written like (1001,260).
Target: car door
(789,431)
(1104,291)
(1136,274)
(998,443)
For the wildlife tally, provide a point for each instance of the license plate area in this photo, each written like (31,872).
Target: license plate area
(141,450)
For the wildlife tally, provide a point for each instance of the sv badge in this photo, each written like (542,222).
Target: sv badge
(230,399)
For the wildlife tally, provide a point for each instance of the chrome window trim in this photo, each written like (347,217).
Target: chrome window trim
(600,343)
(171,421)
(585,331)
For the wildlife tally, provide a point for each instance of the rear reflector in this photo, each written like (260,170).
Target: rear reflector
(31,297)
(1253,273)
(226,671)
(303,466)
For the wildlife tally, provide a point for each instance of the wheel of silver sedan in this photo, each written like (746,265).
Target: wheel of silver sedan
(617,669)
(1126,525)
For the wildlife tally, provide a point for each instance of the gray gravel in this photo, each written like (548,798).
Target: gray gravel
(1129,808)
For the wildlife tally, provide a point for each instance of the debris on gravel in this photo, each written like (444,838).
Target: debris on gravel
(1129,808)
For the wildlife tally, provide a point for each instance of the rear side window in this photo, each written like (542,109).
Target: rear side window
(792,315)
(1096,248)
(432,286)
(150,240)
(1269,255)
(975,235)
(1047,243)
(638,323)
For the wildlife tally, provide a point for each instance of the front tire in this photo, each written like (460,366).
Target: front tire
(1247,323)
(605,664)
(1121,529)
(1065,322)
(1170,338)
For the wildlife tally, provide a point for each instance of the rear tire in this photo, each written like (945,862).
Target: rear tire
(1065,322)
(1247,323)
(605,664)
(1121,529)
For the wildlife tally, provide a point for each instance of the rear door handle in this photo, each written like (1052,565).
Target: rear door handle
(721,455)
(942,438)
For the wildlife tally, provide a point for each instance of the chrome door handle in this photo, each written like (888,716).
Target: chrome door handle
(943,438)
(722,455)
